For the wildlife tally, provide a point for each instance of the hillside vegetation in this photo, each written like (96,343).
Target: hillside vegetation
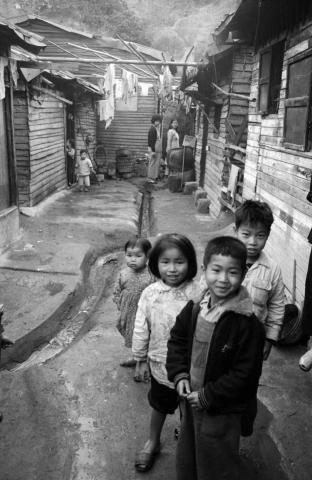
(169,25)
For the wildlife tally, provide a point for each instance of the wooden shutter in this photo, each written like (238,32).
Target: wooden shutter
(264,81)
(297,103)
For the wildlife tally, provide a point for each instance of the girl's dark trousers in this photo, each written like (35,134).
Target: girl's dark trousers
(208,446)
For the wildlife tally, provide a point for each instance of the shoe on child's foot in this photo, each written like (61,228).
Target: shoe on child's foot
(130,362)
(177,432)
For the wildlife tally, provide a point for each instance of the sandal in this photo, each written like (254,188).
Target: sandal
(145,460)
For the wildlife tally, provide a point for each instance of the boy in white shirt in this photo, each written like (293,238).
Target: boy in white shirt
(83,169)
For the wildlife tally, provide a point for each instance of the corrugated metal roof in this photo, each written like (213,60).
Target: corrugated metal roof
(70,77)
(16,35)
(60,38)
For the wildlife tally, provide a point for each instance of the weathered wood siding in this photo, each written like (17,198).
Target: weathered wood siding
(128,129)
(21,130)
(85,125)
(234,77)
(40,146)
(280,177)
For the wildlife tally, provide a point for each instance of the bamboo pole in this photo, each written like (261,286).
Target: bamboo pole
(116,62)
(97,53)
(132,50)
(233,95)
(76,57)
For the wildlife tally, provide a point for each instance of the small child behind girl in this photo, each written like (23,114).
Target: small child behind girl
(173,262)
(131,282)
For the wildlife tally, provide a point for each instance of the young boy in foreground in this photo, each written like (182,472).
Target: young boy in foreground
(215,359)
(263,280)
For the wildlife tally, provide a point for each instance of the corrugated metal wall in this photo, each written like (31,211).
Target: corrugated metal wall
(46,147)
(128,129)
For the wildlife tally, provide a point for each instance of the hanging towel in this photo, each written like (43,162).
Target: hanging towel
(125,85)
(14,72)
(167,82)
(109,81)
(145,88)
(106,111)
(233,181)
(3,63)
(101,83)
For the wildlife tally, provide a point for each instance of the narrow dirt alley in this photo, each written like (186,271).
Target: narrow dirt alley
(80,416)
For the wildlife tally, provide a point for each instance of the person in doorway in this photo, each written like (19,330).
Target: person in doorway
(84,168)
(214,359)
(154,148)
(263,280)
(173,262)
(70,162)
(131,282)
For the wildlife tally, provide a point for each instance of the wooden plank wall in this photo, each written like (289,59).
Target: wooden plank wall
(129,129)
(21,133)
(199,142)
(233,110)
(85,124)
(46,146)
(280,177)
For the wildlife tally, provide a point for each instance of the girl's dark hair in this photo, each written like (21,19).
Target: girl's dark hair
(228,247)
(142,243)
(156,117)
(253,212)
(83,150)
(173,240)
(171,122)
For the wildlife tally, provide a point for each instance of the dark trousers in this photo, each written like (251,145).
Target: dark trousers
(306,317)
(208,446)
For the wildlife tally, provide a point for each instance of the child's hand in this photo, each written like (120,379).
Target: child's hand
(144,372)
(193,399)
(183,388)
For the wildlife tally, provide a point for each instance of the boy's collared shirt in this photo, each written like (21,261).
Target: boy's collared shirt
(265,285)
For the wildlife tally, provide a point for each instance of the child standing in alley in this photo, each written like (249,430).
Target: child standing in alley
(215,360)
(83,169)
(263,280)
(173,262)
(131,282)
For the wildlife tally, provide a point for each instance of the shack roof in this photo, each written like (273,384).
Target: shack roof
(63,41)
(259,22)
(71,79)
(11,34)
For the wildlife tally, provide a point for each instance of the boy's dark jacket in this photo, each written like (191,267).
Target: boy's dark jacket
(234,361)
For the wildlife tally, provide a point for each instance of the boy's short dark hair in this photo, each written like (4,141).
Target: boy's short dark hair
(227,246)
(156,118)
(173,240)
(253,212)
(83,151)
(142,243)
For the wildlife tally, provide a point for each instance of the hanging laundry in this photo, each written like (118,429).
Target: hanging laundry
(187,103)
(125,86)
(3,63)
(167,82)
(101,82)
(233,181)
(109,81)
(106,110)
(129,84)
(14,72)
(145,88)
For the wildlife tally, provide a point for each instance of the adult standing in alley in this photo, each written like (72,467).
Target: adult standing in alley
(173,140)
(154,147)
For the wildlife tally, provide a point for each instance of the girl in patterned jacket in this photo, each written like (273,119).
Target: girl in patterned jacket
(173,262)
